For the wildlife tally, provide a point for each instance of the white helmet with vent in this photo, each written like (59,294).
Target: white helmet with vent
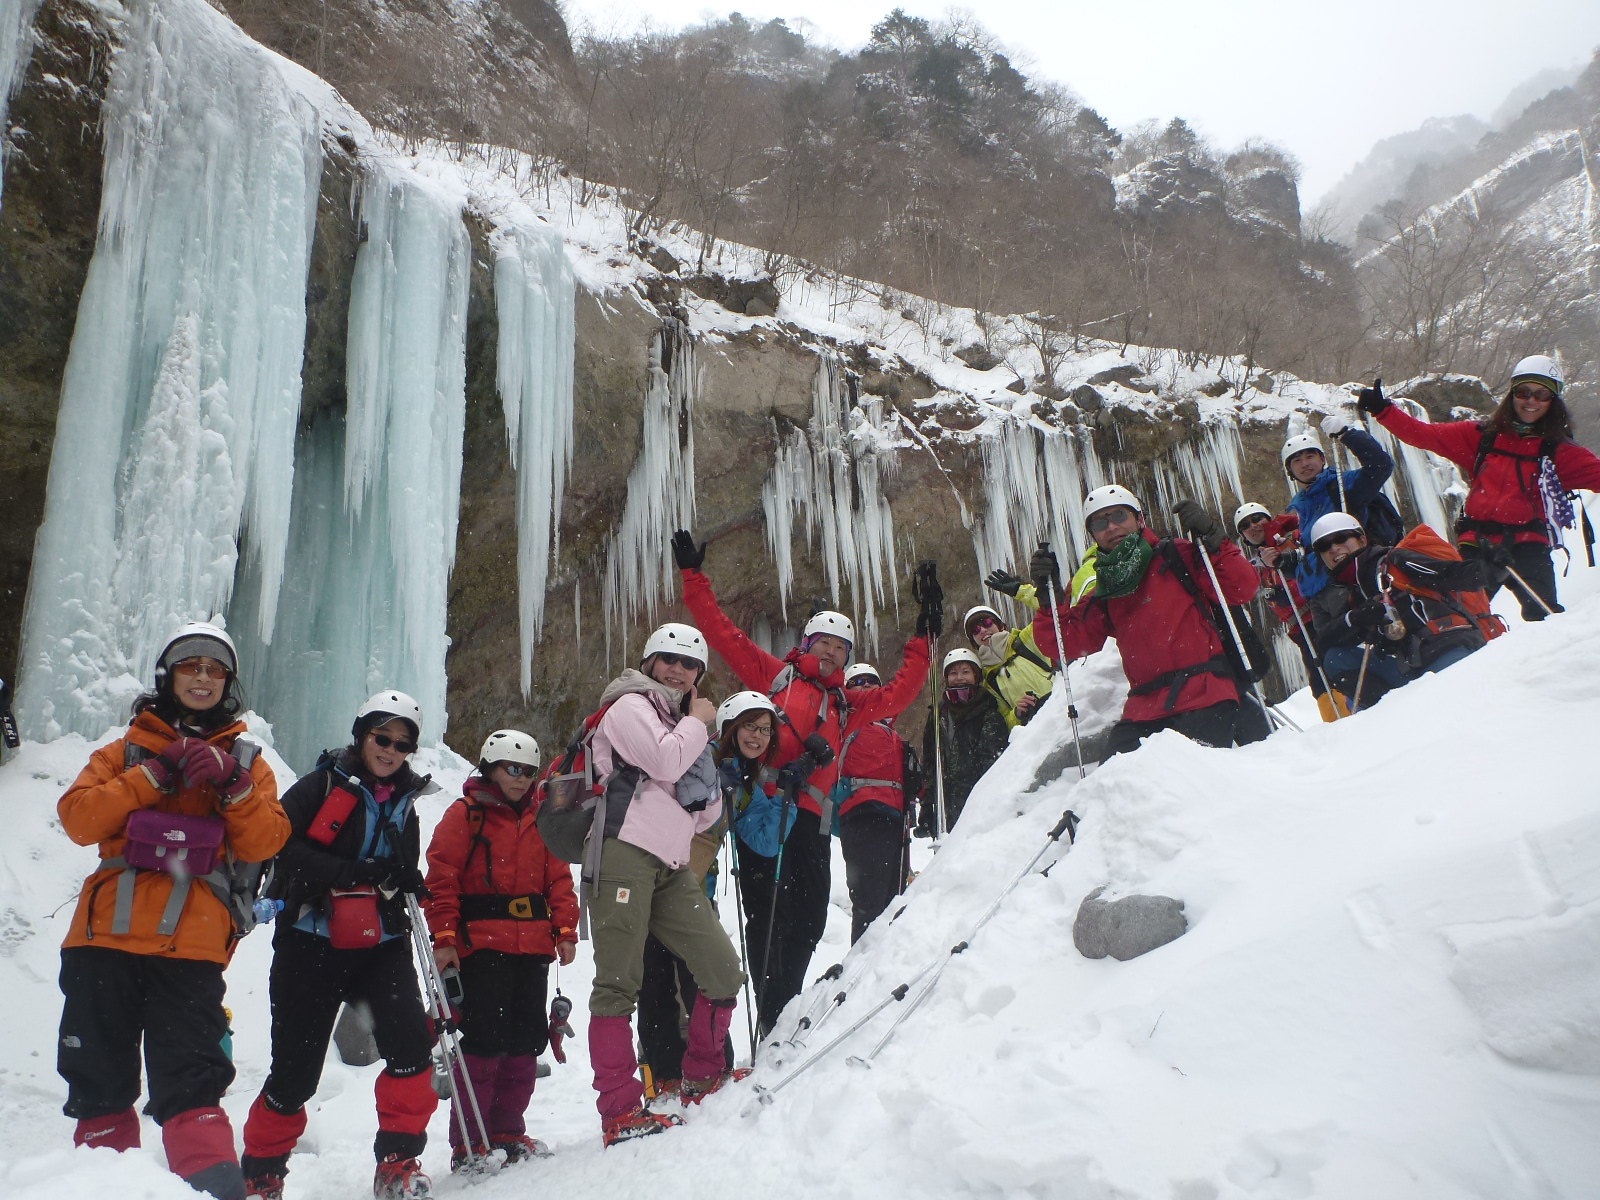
(1112,495)
(833,623)
(677,638)
(509,745)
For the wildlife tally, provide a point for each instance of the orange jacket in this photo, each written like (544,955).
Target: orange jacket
(96,808)
(484,847)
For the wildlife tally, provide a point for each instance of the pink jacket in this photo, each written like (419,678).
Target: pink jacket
(642,729)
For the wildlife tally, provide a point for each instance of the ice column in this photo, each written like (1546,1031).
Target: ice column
(535,303)
(1035,477)
(182,386)
(1205,469)
(16,47)
(833,472)
(661,498)
(1428,479)
(377,495)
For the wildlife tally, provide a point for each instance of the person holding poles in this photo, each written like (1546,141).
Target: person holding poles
(971,731)
(872,814)
(1521,462)
(501,908)
(1172,651)
(143,957)
(807,688)
(344,934)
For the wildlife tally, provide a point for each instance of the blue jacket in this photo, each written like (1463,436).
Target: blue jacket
(1321,497)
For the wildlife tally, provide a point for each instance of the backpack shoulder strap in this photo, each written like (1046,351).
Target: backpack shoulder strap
(1169,554)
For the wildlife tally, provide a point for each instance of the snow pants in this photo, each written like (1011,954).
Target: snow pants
(1210,726)
(1532,561)
(795,921)
(872,836)
(666,1003)
(308,982)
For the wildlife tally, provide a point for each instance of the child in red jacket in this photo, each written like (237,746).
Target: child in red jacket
(501,907)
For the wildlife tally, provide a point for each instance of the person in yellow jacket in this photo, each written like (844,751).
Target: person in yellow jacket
(175,804)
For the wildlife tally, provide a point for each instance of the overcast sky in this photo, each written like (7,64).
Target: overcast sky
(1325,81)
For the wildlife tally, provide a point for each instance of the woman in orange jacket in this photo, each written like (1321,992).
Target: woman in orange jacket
(501,908)
(178,805)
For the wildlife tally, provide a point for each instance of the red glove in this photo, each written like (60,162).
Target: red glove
(206,766)
(165,770)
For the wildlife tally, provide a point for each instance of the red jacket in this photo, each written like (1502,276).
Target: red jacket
(1506,490)
(1280,592)
(1159,629)
(873,751)
(807,703)
(482,847)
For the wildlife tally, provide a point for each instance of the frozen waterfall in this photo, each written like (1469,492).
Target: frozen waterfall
(16,47)
(182,387)
(833,471)
(660,497)
(536,305)
(377,491)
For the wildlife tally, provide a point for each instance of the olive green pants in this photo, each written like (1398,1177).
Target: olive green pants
(639,895)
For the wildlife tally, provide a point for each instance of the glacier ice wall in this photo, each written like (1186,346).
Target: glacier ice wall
(1429,481)
(373,529)
(16,48)
(536,307)
(182,386)
(640,573)
(833,472)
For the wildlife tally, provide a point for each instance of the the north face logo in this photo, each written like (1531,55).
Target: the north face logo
(175,835)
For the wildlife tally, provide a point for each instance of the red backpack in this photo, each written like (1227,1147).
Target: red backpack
(1460,609)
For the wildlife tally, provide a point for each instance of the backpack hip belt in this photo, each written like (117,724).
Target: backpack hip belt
(1498,528)
(1176,679)
(484,907)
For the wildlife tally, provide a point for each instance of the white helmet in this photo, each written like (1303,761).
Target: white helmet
(979,610)
(1112,495)
(198,639)
(736,705)
(1331,523)
(1540,369)
(961,655)
(1249,510)
(1300,442)
(677,638)
(829,622)
(857,670)
(509,745)
(385,706)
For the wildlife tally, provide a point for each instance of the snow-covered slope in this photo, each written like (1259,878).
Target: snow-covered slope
(1390,986)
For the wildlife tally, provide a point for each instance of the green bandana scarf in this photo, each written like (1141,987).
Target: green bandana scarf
(1119,570)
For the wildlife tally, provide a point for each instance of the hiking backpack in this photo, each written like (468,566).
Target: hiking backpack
(569,795)
(1463,609)
(1256,661)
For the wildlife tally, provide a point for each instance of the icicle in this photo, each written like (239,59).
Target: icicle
(639,570)
(1034,478)
(195,295)
(1428,479)
(536,306)
(1205,469)
(16,48)
(834,472)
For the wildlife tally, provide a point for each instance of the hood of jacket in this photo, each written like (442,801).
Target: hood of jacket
(668,700)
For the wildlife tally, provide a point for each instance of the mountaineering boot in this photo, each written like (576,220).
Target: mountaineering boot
(263,1177)
(696,1090)
(518,1147)
(638,1123)
(263,1187)
(479,1160)
(400,1178)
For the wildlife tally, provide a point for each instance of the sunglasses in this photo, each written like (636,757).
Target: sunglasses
(680,660)
(1253,520)
(1102,521)
(1335,539)
(863,681)
(201,668)
(385,741)
(1533,392)
(516,770)
(985,622)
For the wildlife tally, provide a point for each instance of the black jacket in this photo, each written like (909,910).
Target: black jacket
(1363,578)
(971,737)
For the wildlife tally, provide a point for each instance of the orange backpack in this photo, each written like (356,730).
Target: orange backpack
(1462,609)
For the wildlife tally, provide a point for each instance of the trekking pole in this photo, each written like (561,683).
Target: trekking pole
(1068,824)
(806,1018)
(1311,646)
(777,885)
(1061,661)
(744,949)
(1523,584)
(1338,472)
(928,594)
(448,1041)
(1233,630)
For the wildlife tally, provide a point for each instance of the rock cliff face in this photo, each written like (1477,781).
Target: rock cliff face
(755,391)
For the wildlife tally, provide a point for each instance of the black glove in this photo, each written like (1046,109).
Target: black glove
(1500,562)
(924,826)
(1367,617)
(367,871)
(687,555)
(925,587)
(1045,573)
(405,879)
(1200,525)
(1003,581)
(1371,400)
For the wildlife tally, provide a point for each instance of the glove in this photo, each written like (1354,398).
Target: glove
(559,1028)
(1367,617)
(1024,707)
(369,871)
(1003,581)
(687,555)
(924,826)
(925,587)
(1334,425)
(165,770)
(1200,525)
(408,880)
(1500,562)
(930,622)
(1044,572)
(207,766)
(1371,400)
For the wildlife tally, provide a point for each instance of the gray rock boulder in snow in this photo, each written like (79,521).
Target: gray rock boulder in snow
(1127,927)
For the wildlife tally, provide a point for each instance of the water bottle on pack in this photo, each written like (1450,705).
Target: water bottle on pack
(265,910)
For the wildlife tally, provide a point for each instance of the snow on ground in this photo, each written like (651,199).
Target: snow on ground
(1390,986)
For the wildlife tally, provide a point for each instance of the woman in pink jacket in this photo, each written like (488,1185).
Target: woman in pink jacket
(652,749)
